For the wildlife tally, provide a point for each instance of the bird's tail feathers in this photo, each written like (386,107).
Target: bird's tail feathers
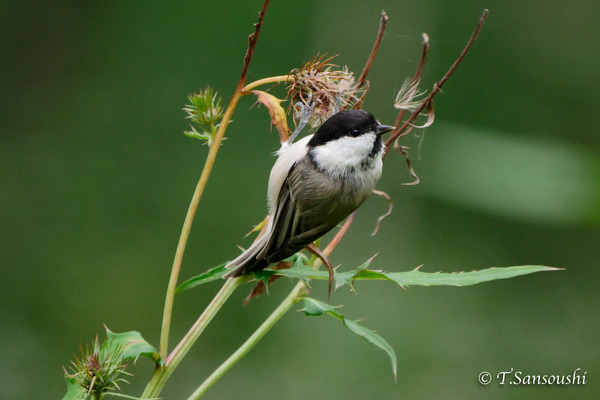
(249,260)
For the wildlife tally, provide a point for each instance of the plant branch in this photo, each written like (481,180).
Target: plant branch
(339,235)
(187,224)
(264,81)
(295,295)
(252,39)
(161,375)
(367,68)
(362,79)
(299,290)
(437,86)
(210,160)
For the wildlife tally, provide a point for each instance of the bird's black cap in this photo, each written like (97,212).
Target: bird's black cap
(346,123)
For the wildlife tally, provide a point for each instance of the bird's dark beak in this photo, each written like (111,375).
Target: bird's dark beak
(381,129)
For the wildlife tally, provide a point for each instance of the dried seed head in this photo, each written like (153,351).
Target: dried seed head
(324,87)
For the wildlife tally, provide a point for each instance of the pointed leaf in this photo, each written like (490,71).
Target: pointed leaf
(265,275)
(277,113)
(313,307)
(372,337)
(415,277)
(212,274)
(304,272)
(133,345)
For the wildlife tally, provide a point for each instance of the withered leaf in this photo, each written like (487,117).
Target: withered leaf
(277,113)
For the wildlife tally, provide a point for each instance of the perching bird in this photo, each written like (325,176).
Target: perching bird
(315,184)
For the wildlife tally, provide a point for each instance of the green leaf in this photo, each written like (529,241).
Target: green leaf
(74,390)
(195,134)
(416,276)
(133,345)
(205,277)
(372,337)
(313,307)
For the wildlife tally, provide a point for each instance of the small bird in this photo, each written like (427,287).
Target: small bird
(315,184)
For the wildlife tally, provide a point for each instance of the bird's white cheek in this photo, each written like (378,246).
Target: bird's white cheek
(344,154)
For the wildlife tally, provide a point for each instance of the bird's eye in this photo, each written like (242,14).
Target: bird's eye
(355,132)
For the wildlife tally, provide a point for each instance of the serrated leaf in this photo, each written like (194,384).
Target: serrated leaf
(418,277)
(212,274)
(74,390)
(264,275)
(313,307)
(415,277)
(372,337)
(133,345)
(300,270)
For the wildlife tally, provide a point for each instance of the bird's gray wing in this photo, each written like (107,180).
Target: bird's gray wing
(291,230)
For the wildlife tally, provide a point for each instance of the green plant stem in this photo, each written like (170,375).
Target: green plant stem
(294,297)
(189,219)
(161,375)
(296,294)
(268,80)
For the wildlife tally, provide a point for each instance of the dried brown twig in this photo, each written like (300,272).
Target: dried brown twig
(252,39)
(363,76)
(407,126)
(362,79)
(437,86)
(317,79)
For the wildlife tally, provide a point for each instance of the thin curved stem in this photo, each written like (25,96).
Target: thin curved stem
(187,224)
(189,218)
(295,295)
(266,81)
(210,160)
(161,375)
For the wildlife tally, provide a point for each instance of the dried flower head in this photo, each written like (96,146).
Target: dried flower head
(323,87)
(100,368)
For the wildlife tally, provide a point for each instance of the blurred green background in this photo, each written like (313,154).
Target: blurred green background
(96,177)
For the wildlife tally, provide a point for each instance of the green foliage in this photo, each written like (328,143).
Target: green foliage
(415,277)
(133,346)
(74,390)
(212,274)
(302,271)
(313,307)
(100,368)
